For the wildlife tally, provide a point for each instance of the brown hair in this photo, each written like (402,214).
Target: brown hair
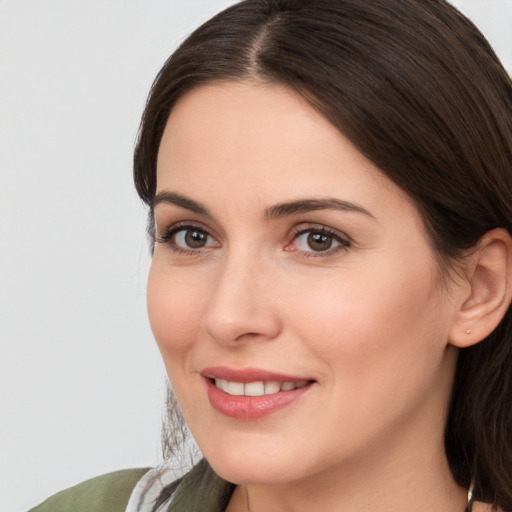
(419,91)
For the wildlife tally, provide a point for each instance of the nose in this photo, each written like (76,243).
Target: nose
(242,306)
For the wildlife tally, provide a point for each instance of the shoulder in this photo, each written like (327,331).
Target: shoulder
(106,493)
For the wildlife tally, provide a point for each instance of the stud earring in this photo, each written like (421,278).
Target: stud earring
(468,331)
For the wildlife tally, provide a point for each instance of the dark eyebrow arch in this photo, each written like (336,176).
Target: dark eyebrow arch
(167,197)
(309,205)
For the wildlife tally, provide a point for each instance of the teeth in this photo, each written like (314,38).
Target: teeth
(258,388)
(222,384)
(236,388)
(272,387)
(254,389)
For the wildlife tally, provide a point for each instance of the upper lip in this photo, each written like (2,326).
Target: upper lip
(249,375)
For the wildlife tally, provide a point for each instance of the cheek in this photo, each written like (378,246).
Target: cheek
(175,306)
(357,319)
(381,347)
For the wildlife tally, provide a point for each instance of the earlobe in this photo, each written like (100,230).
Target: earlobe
(489,274)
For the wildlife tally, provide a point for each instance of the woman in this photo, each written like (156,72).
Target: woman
(329,189)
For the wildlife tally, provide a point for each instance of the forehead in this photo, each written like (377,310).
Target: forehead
(225,130)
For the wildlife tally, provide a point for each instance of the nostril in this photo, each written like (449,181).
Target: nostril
(247,336)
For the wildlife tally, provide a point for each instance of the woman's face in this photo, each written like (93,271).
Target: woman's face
(295,273)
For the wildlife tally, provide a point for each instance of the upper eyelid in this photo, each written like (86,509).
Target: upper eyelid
(298,230)
(303,227)
(184,224)
(165,223)
(181,224)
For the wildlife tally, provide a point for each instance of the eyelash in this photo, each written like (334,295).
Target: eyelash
(343,241)
(168,237)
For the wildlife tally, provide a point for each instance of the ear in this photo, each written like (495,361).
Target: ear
(485,301)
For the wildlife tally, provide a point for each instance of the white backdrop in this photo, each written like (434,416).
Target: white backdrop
(81,383)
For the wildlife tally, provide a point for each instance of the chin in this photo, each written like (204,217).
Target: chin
(248,462)
(252,472)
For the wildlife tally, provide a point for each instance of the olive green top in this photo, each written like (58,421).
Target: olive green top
(106,493)
(200,490)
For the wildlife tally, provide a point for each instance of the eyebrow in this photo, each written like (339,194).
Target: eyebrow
(167,197)
(274,212)
(309,205)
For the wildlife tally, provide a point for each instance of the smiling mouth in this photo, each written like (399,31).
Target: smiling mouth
(257,388)
(252,394)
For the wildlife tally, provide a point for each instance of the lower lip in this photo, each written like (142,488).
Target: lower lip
(251,407)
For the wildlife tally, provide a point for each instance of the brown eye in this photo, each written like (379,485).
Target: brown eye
(319,241)
(193,238)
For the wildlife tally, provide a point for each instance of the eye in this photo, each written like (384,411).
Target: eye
(192,238)
(317,241)
(187,239)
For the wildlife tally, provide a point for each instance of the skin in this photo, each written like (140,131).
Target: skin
(368,319)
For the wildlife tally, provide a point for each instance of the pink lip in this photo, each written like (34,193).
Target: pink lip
(248,375)
(250,407)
